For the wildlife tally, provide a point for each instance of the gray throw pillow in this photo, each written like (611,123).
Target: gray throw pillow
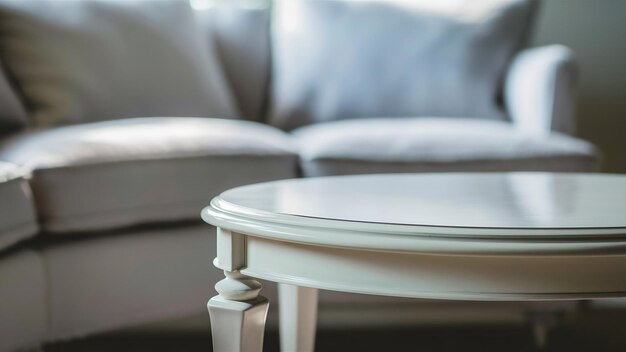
(337,59)
(88,60)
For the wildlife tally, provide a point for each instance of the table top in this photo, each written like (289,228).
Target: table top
(478,236)
(486,205)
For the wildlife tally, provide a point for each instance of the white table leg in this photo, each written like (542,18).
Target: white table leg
(297,307)
(238,314)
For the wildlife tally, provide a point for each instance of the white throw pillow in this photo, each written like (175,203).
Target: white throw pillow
(89,60)
(338,59)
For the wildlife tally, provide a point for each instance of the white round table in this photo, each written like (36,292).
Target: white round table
(467,236)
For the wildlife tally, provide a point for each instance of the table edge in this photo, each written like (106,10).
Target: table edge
(413,238)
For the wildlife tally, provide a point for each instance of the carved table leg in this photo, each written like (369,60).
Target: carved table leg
(297,307)
(238,314)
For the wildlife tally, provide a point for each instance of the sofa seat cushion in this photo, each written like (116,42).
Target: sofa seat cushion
(17,212)
(432,145)
(112,174)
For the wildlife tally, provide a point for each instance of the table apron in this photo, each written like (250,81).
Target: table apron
(426,275)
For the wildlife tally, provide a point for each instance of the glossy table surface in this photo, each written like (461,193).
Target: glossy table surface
(463,236)
(548,204)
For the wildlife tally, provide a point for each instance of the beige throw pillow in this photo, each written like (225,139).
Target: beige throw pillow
(88,60)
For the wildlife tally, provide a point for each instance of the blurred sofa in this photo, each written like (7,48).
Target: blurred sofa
(120,120)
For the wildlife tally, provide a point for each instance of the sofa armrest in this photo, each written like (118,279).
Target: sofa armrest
(540,89)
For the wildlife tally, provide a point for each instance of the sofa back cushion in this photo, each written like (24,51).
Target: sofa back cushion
(338,59)
(89,60)
(12,113)
(239,34)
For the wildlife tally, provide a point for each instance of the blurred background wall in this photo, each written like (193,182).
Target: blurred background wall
(596,31)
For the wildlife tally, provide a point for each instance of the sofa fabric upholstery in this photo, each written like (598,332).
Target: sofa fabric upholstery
(352,59)
(432,145)
(12,113)
(110,282)
(240,38)
(117,173)
(23,301)
(90,60)
(540,90)
(17,211)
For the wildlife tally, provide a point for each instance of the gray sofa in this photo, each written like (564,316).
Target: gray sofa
(104,174)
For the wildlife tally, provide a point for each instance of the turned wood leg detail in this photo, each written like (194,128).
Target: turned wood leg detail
(297,307)
(238,314)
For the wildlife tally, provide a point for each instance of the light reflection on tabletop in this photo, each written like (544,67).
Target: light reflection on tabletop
(490,200)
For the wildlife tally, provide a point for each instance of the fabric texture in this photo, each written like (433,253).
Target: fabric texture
(136,277)
(17,212)
(435,144)
(113,174)
(23,300)
(90,60)
(12,113)
(240,36)
(337,59)
(540,90)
